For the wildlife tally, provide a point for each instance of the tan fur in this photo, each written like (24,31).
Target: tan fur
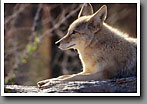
(104,51)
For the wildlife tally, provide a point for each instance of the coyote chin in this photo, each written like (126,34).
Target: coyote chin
(104,51)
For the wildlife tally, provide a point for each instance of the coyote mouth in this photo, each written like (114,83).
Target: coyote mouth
(71,46)
(66,48)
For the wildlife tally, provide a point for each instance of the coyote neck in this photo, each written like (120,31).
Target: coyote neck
(88,61)
(92,51)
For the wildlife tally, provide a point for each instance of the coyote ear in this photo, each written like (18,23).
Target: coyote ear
(98,18)
(86,10)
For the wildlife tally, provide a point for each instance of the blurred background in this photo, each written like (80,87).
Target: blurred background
(30,33)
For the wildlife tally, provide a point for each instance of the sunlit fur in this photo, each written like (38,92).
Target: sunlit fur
(121,34)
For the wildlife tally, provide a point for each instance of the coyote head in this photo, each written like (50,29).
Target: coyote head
(82,29)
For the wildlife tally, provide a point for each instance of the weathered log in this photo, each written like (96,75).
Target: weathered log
(122,85)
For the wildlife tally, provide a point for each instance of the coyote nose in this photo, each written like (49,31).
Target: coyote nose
(57,43)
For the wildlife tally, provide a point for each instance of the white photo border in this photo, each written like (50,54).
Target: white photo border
(70,94)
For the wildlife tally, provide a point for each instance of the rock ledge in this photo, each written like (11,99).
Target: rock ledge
(122,85)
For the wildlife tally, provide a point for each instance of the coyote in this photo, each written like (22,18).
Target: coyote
(104,51)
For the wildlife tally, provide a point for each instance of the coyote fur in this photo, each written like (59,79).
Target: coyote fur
(104,51)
